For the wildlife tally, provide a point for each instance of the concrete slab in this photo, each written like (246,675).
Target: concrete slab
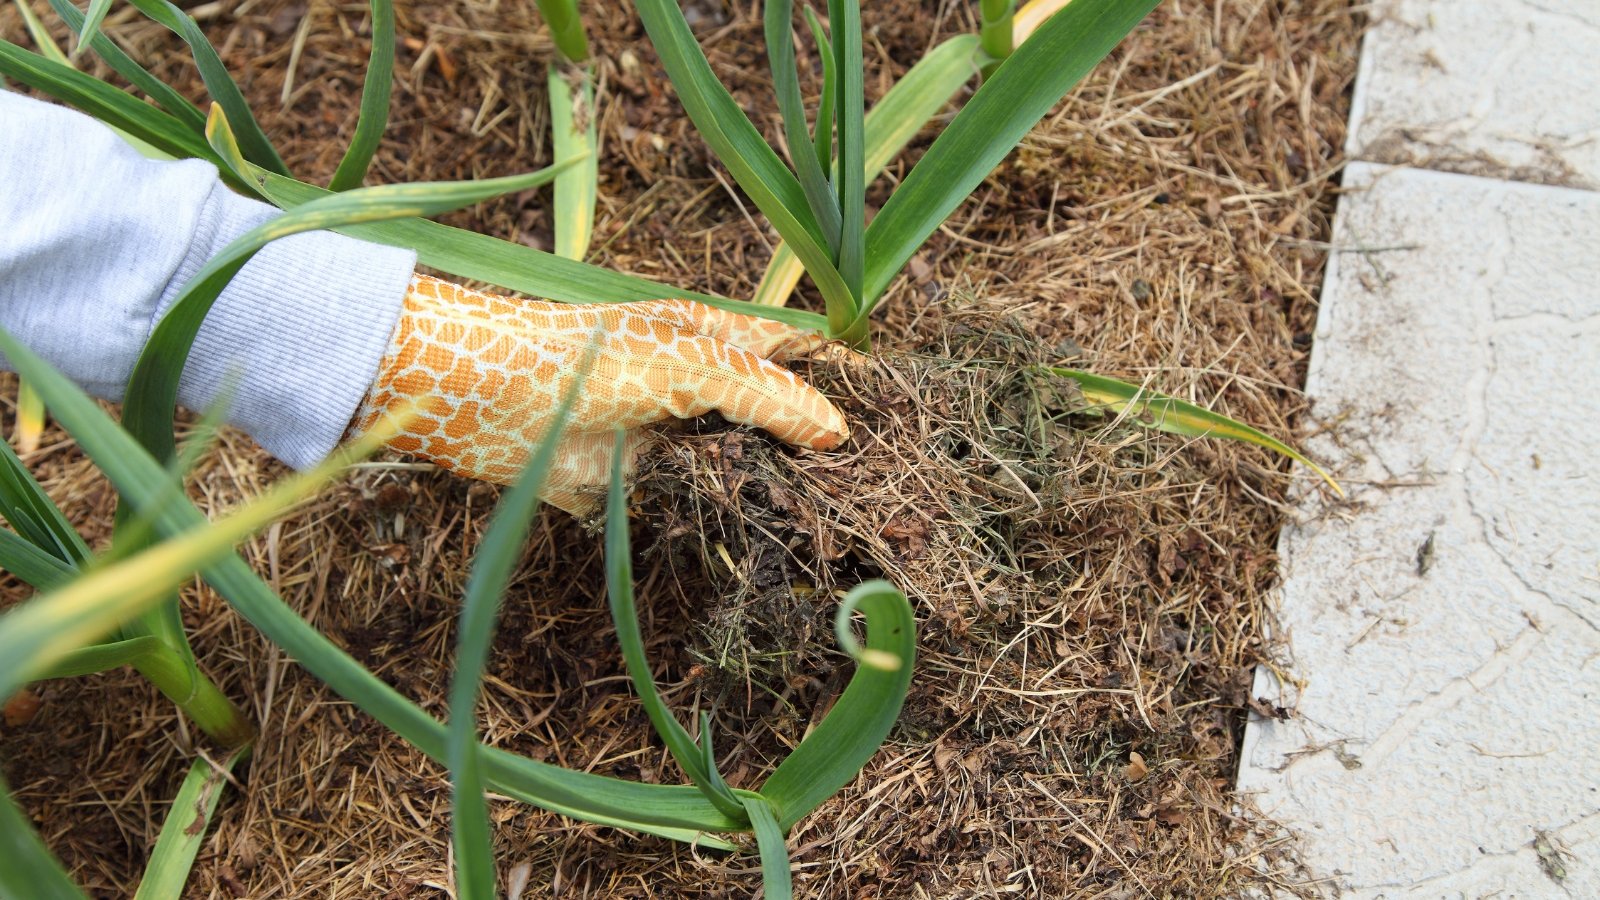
(1485,87)
(1445,624)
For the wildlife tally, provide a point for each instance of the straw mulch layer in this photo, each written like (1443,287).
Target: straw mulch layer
(1090,596)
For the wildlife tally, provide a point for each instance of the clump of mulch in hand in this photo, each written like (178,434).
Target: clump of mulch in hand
(1078,677)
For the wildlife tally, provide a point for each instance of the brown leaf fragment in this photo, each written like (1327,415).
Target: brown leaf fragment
(230,881)
(246,853)
(1267,710)
(1171,815)
(21,708)
(911,535)
(198,825)
(1136,769)
(392,556)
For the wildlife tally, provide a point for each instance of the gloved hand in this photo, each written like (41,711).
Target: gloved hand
(490,371)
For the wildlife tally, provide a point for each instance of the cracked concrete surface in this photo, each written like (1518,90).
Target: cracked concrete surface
(1484,87)
(1444,623)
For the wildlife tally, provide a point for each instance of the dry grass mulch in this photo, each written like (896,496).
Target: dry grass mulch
(1090,596)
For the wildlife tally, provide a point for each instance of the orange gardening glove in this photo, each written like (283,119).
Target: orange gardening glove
(487,374)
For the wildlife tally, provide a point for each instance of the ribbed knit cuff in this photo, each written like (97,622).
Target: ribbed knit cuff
(295,339)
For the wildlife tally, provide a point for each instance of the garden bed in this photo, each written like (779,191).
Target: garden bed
(1090,595)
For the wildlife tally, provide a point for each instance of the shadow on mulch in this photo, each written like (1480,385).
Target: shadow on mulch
(1090,596)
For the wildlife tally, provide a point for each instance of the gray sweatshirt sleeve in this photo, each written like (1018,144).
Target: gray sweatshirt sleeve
(96,242)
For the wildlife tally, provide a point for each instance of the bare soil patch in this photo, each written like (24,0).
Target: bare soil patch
(1090,596)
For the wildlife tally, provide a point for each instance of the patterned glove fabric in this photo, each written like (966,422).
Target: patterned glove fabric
(487,373)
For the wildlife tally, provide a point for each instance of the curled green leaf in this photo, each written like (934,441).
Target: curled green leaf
(834,752)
